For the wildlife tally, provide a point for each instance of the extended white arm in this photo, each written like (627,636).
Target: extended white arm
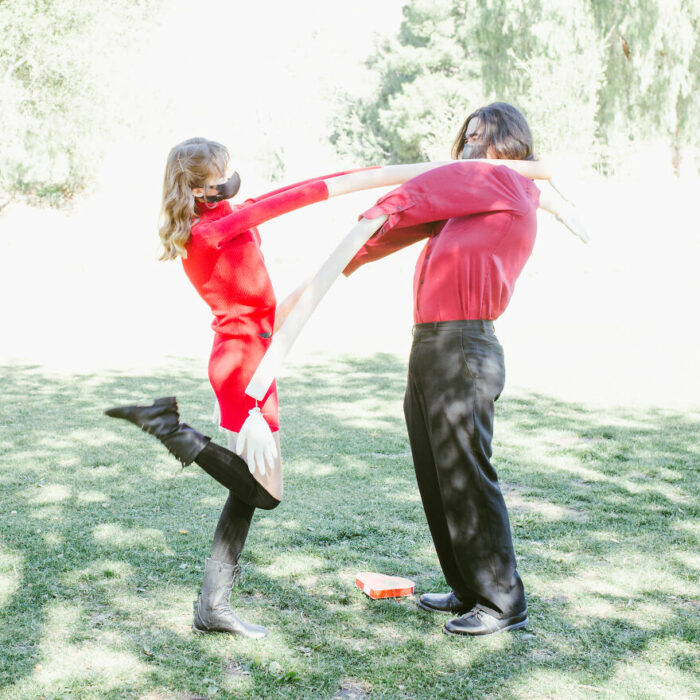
(330,270)
(389,175)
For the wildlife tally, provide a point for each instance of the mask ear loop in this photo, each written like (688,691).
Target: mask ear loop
(207,203)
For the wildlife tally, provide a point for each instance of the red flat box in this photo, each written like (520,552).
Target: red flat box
(382,586)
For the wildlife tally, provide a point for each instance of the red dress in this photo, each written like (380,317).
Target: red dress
(226,267)
(225,264)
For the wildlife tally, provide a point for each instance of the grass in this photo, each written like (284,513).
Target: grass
(103,540)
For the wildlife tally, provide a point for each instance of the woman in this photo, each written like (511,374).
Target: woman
(479,220)
(220,251)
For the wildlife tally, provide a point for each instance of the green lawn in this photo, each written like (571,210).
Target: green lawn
(103,540)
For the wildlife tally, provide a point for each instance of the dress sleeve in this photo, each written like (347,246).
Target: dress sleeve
(253,213)
(271,205)
(419,208)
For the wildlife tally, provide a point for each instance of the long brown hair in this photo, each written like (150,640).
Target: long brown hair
(504,129)
(189,165)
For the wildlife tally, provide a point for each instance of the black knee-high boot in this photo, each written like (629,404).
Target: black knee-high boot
(162,420)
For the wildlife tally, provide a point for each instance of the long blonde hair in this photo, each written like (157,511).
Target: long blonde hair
(189,165)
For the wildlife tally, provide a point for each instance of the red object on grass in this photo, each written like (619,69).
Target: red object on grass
(382,586)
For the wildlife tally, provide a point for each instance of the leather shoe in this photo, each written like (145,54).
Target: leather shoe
(445,603)
(479,622)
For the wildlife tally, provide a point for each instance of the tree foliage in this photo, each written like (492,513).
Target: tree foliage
(590,75)
(57,104)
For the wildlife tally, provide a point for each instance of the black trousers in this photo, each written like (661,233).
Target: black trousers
(456,373)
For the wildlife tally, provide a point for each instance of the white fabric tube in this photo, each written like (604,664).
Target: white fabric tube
(389,175)
(283,340)
(385,176)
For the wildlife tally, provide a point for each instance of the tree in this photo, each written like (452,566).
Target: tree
(651,58)
(588,74)
(56,104)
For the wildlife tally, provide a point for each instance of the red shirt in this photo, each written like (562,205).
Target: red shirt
(480,221)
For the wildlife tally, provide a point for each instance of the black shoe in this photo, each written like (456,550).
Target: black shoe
(445,603)
(213,612)
(479,622)
(162,420)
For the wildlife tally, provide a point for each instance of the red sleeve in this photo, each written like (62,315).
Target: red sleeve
(312,179)
(222,230)
(419,206)
(383,244)
(271,205)
(461,188)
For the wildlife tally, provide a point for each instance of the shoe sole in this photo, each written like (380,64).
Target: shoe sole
(509,628)
(196,630)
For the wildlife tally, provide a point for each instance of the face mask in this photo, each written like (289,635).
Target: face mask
(226,191)
(474,150)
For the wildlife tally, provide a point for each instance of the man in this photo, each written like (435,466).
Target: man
(480,223)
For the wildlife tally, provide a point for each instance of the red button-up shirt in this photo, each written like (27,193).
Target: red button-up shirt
(480,222)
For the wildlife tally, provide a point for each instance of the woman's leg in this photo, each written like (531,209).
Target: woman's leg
(162,420)
(232,530)
(271,480)
(213,611)
(231,471)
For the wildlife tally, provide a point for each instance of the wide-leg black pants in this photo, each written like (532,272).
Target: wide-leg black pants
(456,373)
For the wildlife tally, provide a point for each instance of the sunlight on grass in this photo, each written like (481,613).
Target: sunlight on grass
(672,493)
(63,662)
(11,574)
(105,550)
(100,572)
(543,509)
(48,493)
(294,564)
(118,536)
(647,679)
(92,497)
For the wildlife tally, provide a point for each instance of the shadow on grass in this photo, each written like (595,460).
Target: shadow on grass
(103,542)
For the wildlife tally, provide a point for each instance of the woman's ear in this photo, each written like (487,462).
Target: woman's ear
(198,191)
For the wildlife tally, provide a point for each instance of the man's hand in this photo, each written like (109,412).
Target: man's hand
(256,440)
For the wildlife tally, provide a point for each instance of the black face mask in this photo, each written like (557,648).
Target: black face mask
(473,150)
(226,191)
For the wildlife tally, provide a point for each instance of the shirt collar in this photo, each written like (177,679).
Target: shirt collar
(212,210)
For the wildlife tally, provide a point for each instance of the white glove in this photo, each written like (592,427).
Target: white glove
(569,216)
(255,438)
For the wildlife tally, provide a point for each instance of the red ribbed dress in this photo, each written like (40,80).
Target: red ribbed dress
(226,267)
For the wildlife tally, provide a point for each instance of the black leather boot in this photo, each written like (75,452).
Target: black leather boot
(162,420)
(213,612)
(445,602)
(481,621)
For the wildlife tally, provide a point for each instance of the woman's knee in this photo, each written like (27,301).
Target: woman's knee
(265,499)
